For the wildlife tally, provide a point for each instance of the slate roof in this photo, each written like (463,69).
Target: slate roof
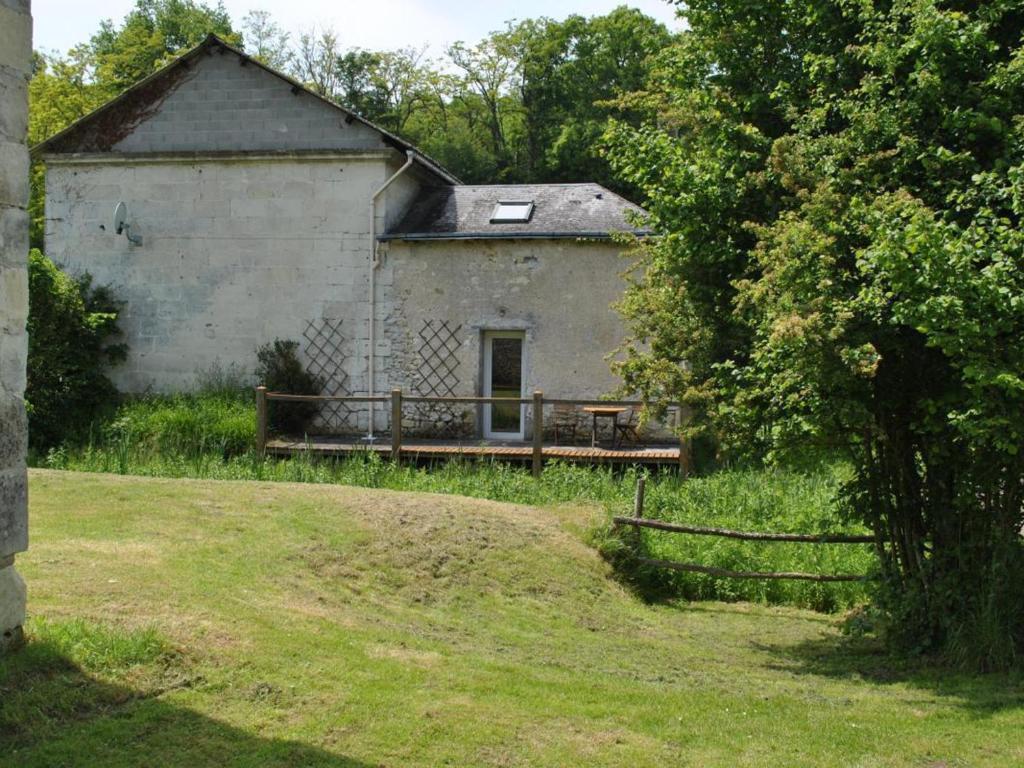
(464,212)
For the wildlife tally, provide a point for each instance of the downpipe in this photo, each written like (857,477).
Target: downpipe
(371,353)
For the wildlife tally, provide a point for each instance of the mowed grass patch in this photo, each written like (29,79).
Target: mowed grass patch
(325,625)
(206,436)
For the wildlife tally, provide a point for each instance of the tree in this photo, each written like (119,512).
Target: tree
(266,41)
(491,76)
(842,268)
(387,87)
(317,61)
(573,73)
(153,33)
(357,88)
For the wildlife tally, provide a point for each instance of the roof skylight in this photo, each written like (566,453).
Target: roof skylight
(512,211)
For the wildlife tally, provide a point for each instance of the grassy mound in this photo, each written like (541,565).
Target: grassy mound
(209,435)
(340,627)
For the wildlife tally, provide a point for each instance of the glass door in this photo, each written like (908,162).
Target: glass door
(503,377)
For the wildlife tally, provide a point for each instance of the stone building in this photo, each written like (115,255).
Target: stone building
(15,58)
(254,209)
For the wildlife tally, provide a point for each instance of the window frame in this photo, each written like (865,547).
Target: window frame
(527,205)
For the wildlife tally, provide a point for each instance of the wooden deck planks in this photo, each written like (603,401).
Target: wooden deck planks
(659,454)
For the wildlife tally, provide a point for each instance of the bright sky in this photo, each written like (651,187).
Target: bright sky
(373,24)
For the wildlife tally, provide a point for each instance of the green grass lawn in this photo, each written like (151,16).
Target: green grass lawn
(204,623)
(191,436)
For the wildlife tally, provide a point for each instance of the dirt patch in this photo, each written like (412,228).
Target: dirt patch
(402,653)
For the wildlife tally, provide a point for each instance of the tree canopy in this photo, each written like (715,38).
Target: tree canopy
(842,270)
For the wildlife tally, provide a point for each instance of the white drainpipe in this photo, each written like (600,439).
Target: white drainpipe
(374,263)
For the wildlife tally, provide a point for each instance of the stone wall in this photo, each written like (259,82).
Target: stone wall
(441,297)
(15,56)
(239,251)
(235,252)
(221,105)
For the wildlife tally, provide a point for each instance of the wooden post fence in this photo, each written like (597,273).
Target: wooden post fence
(639,521)
(261,420)
(538,432)
(396,425)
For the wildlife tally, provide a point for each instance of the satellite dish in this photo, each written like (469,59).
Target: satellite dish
(121,225)
(120,217)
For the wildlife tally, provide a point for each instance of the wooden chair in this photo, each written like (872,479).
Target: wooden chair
(564,420)
(630,428)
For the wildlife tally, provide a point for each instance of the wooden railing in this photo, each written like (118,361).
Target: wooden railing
(397,398)
(639,521)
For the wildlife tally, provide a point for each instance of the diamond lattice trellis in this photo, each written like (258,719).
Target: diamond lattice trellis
(437,376)
(325,355)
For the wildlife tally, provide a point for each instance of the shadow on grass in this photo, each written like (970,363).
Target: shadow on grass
(853,659)
(55,713)
(866,660)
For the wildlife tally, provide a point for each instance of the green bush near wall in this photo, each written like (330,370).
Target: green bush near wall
(218,423)
(71,325)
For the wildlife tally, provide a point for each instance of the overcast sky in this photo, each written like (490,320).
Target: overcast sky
(374,24)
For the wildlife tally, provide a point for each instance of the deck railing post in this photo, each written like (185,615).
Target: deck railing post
(396,425)
(538,431)
(261,420)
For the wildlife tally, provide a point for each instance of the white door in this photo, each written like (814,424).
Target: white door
(503,377)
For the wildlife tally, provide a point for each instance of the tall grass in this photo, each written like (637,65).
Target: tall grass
(764,500)
(183,425)
(210,436)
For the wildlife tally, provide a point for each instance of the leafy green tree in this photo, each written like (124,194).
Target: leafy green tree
(387,87)
(573,73)
(840,188)
(70,327)
(489,94)
(266,41)
(153,33)
(357,88)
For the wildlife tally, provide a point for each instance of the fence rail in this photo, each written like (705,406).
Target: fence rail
(805,538)
(639,521)
(725,573)
(397,398)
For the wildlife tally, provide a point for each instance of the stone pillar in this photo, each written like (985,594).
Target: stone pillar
(15,60)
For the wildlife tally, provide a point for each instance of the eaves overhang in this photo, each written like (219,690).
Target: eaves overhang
(425,236)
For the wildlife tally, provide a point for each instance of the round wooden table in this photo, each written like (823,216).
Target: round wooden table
(604,412)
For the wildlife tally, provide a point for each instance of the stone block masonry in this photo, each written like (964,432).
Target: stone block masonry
(15,58)
(236,252)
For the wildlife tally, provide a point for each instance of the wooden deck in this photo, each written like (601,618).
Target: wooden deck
(511,451)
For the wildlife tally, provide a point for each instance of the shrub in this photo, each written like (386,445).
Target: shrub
(218,422)
(219,379)
(70,325)
(280,370)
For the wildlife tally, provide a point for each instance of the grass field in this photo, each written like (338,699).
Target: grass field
(203,623)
